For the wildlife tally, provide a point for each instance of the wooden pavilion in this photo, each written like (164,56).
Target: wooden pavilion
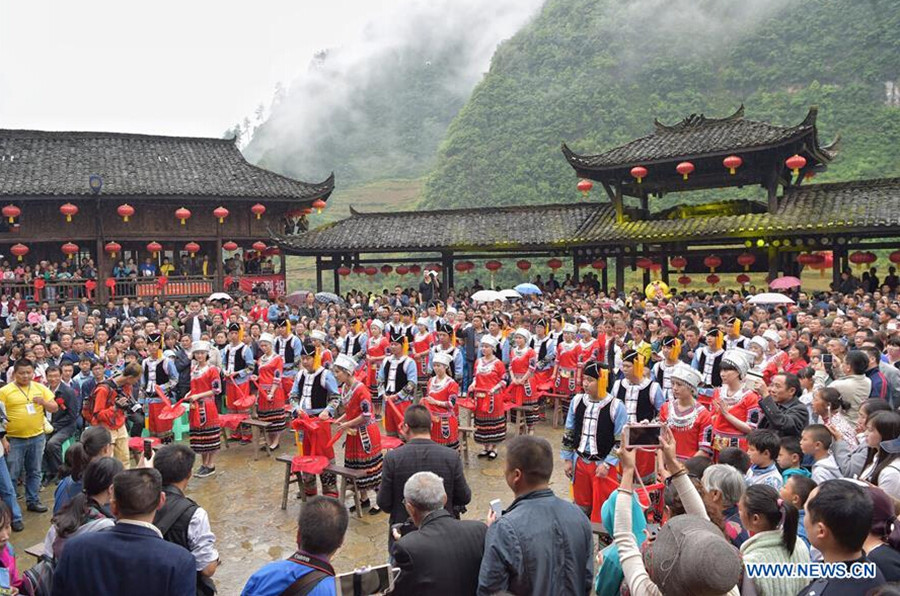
(112,197)
(797,218)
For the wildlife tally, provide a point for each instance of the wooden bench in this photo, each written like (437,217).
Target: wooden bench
(558,399)
(603,537)
(256,427)
(35,550)
(346,475)
(464,432)
(521,413)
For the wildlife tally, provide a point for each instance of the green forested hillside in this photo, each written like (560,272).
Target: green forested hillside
(594,73)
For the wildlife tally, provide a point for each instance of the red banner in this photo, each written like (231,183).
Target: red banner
(274,284)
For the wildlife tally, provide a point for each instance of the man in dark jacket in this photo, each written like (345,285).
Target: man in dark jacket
(181,520)
(182,356)
(444,555)
(420,454)
(131,557)
(64,421)
(541,544)
(783,411)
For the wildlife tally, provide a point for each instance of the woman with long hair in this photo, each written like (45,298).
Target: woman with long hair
(772,523)
(89,510)
(882,546)
(882,468)
(829,408)
(95,442)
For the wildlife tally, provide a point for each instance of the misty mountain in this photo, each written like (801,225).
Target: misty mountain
(379,107)
(595,73)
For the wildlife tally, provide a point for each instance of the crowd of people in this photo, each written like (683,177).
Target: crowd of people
(780,440)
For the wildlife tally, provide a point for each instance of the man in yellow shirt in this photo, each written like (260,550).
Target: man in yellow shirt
(26,401)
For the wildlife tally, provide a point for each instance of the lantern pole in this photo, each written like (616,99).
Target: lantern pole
(664,271)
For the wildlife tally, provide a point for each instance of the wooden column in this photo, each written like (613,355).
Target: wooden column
(575,267)
(837,257)
(318,274)
(446,274)
(104,269)
(336,263)
(620,272)
(604,278)
(664,272)
(773,262)
(219,286)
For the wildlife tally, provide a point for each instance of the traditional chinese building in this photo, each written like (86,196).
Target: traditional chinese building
(794,226)
(110,197)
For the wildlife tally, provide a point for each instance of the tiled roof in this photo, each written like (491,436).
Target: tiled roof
(860,206)
(41,163)
(456,229)
(696,136)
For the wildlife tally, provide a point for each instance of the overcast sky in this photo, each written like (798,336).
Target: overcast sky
(187,67)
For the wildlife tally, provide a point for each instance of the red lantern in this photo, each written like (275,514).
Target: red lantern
(678,263)
(370,271)
(435,267)
(684,280)
(230,246)
(746,260)
(523,265)
(743,278)
(712,261)
(644,263)
(415,269)
(344,271)
(712,279)
(493,266)
(461,267)
(554,264)
(68,210)
(584,186)
(827,262)
(11,212)
(318,205)
(685,168)
(894,256)
(639,172)
(69,249)
(795,163)
(259,246)
(182,214)
(403,270)
(732,162)
(809,259)
(221,213)
(192,247)
(386,269)
(19,250)
(860,258)
(155,248)
(258,210)
(359,270)
(599,264)
(125,211)
(113,248)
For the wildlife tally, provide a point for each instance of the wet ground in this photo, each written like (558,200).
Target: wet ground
(244,503)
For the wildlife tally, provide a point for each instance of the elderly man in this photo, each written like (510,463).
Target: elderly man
(783,411)
(444,555)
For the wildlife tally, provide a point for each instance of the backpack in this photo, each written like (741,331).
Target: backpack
(184,508)
(40,577)
(87,405)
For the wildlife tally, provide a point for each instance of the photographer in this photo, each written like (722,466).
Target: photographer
(113,400)
(429,288)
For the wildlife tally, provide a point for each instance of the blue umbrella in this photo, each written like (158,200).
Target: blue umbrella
(526,289)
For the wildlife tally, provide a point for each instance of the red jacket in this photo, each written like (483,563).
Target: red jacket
(106,412)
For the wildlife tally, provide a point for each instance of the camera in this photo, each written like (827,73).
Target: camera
(642,436)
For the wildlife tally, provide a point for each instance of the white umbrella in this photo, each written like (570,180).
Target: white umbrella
(770,298)
(511,294)
(487,296)
(219,296)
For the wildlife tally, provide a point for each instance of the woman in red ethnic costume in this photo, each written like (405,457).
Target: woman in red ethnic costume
(735,408)
(565,373)
(362,446)
(376,351)
(204,417)
(590,348)
(270,407)
(490,410)
(440,399)
(522,364)
(690,422)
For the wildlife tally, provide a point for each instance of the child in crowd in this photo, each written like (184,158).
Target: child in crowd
(789,458)
(796,491)
(816,441)
(7,555)
(763,447)
(736,458)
